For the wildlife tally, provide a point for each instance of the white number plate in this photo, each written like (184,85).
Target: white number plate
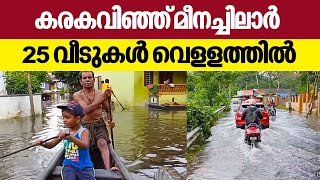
(253,138)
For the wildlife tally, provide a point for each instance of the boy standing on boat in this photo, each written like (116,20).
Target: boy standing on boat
(92,101)
(77,163)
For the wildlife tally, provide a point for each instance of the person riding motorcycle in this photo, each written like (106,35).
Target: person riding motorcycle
(272,104)
(252,114)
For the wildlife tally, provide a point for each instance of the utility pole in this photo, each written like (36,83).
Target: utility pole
(30,94)
(289,102)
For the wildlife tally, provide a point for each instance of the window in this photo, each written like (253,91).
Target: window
(148,77)
(165,75)
(43,85)
(60,85)
(259,106)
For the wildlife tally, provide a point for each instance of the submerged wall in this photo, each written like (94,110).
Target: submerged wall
(19,105)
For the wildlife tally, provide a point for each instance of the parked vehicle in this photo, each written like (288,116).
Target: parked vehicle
(236,100)
(240,123)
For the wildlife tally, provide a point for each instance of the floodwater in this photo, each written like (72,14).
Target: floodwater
(144,140)
(290,149)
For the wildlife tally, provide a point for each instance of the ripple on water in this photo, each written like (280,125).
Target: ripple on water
(144,143)
(289,150)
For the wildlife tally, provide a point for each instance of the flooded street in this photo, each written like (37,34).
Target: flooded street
(144,140)
(290,149)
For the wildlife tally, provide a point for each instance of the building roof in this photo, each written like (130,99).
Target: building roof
(251,92)
(281,92)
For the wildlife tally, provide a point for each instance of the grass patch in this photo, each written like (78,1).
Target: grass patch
(196,148)
(194,151)
(283,107)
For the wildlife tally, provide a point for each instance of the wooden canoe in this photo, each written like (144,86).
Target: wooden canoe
(168,107)
(53,171)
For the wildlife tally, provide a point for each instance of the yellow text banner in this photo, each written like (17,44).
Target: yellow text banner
(159,55)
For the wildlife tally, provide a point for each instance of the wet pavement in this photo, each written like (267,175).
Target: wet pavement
(290,149)
(144,140)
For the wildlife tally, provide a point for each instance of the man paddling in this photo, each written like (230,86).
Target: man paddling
(107,87)
(92,101)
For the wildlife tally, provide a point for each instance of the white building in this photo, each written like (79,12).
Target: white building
(2,84)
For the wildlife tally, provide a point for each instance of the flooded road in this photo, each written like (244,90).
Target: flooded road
(290,149)
(144,140)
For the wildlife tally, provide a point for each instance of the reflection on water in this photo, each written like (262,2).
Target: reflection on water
(148,139)
(144,139)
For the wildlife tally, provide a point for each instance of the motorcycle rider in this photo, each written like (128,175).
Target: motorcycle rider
(272,104)
(252,115)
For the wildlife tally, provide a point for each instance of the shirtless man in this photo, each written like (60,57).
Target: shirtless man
(92,101)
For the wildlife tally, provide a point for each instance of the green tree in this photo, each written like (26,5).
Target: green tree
(17,83)
(207,91)
(296,81)
(72,78)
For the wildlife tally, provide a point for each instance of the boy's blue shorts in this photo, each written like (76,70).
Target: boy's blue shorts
(71,173)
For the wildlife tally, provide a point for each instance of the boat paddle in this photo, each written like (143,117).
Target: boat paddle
(111,133)
(119,102)
(28,147)
(111,129)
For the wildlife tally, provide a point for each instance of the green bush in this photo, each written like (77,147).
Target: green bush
(62,91)
(71,78)
(17,82)
(205,96)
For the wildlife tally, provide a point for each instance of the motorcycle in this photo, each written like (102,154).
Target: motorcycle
(252,134)
(272,112)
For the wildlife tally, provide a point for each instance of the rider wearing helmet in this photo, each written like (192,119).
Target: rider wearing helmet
(272,104)
(252,114)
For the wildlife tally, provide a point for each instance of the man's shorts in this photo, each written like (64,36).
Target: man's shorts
(97,130)
(69,172)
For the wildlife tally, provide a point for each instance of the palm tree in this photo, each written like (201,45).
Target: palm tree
(278,84)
